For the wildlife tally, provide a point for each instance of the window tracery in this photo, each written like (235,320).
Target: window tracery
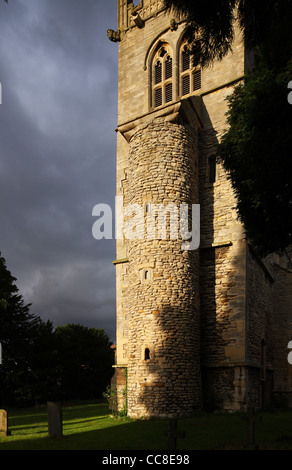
(162,90)
(190,74)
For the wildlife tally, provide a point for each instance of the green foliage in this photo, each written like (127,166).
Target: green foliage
(209,30)
(85,359)
(110,394)
(17,325)
(210,25)
(41,363)
(256,151)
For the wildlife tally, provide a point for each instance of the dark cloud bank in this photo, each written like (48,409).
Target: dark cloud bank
(58,73)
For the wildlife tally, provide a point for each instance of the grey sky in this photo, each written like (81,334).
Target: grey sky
(58,72)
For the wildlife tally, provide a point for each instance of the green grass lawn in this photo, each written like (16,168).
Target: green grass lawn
(91,427)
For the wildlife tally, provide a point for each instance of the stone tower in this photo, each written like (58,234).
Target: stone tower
(193,324)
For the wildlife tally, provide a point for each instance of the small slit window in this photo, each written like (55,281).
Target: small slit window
(190,75)
(212,169)
(146,275)
(162,79)
(147,354)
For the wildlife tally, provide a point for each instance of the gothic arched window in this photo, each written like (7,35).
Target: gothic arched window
(162,76)
(190,75)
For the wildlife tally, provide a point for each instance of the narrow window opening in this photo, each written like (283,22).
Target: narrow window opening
(197,80)
(147,354)
(146,275)
(186,85)
(168,68)
(168,93)
(148,208)
(185,60)
(158,72)
(158,97)
(212,169)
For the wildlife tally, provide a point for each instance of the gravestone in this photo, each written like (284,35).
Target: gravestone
(3,423)
(173,434)
(251,419)
(55,421)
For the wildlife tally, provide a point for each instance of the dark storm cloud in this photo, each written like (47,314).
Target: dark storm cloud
(59,92)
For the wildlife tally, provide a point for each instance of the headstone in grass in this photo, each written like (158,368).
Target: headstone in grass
(173,434)
(3,423)
(251,419)
(55,420)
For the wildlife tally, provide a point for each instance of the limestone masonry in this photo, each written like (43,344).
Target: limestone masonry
(195,328)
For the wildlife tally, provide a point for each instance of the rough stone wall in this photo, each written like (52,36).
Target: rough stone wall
(281,268)
(135,51)
(222,270)
(260,289)
(122,191)
(118,401)
(224,388)
(222,322)
(164,309)
(143,317)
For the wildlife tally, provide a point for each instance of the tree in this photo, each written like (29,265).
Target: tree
(256,147)
(85,360)
(40,383)
(16,328)
(42,363)
(210,25)
(256,152)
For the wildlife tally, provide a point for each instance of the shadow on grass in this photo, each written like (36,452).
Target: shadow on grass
(114,434)
(91,428)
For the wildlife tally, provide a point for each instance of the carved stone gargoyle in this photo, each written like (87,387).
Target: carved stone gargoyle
(114,36)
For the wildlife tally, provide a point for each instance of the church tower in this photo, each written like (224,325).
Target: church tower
(191,330)
(157,274)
